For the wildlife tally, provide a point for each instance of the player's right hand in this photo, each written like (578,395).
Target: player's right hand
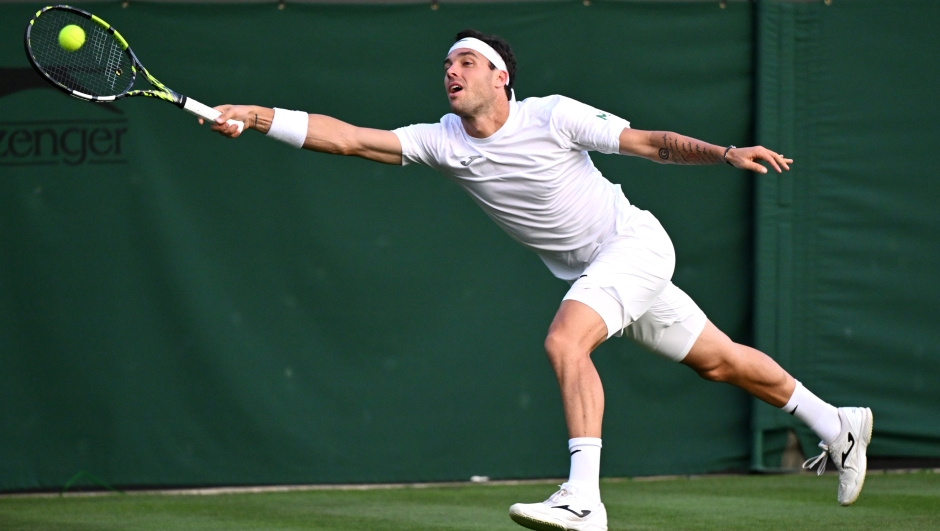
(252,116)
(229,112)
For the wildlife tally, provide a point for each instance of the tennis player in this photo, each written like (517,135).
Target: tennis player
(526,164)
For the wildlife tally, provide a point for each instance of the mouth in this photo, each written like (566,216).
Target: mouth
(454,88)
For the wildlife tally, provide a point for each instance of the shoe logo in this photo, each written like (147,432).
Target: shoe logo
(583,513)
(466,161)
(845,454)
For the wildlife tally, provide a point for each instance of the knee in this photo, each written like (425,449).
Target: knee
(721,367)
(714,356)
(718,370)
(562,349)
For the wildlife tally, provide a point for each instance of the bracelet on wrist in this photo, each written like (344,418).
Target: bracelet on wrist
(725,156)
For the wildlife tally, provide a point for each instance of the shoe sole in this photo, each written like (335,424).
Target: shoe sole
(541,525)
(537,525)
(863,470)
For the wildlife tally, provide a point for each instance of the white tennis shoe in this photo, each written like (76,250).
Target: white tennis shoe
(848,452)
(563,511)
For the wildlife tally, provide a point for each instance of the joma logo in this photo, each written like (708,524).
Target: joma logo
(70,142)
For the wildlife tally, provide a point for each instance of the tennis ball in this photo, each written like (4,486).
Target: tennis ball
(71,37)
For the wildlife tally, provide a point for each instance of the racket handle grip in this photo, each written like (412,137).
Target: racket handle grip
(208,113)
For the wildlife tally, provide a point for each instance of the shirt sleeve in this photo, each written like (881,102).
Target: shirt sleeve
(588,128)
(420,143)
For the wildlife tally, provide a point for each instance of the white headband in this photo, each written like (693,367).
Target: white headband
(485,50)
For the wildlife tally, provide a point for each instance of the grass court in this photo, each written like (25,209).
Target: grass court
(889,502)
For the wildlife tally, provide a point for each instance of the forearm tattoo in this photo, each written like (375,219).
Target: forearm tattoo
(689,151)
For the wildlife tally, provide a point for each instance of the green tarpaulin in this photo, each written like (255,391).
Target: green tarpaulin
(180,309)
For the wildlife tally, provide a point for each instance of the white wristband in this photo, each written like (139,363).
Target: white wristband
(289,127)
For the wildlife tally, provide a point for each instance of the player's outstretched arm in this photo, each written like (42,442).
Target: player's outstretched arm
(324,134)
(671,148)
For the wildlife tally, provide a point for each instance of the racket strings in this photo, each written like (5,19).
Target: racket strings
(99,68)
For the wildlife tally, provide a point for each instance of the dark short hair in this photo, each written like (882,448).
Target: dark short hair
(502,48)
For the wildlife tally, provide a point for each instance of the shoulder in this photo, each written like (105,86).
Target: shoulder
(545,104)
(564,104)
(447,123)
(557,107)
(564,112)
(450,121)
(554,109)
(429,131)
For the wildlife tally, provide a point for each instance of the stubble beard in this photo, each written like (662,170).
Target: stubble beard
(471,107)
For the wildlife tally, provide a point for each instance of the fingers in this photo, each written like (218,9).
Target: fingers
(228,113)
(749,159)
(220,125)
(753,166)
(771,157)
(231,113)
(226,129)
(779,161)
(232,131)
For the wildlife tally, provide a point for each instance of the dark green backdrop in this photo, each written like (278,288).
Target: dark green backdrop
(204,311)
(180,309)
(847,257)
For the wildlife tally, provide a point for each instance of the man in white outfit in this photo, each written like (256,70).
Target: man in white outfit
(526,164)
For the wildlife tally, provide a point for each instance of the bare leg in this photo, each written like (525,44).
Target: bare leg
(715,357)
(574,333)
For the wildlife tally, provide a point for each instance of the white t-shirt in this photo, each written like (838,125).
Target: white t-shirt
(533,177)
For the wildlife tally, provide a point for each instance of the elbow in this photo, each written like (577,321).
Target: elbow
(344,146)
(661,155)
(336,148)
(344,150)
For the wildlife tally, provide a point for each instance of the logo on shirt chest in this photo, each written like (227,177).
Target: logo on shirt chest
(466,161)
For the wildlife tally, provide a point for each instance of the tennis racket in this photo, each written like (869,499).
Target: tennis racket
(103,68)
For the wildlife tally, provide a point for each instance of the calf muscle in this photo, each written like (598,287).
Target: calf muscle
(715,357)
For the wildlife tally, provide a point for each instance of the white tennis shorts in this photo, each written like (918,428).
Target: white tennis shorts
(628,284)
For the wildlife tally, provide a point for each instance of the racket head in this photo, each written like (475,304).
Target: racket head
(102,69)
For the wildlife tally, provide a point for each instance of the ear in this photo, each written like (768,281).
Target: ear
(502,79)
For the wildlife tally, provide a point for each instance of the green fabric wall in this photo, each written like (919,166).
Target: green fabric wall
(187,310)
(847,258)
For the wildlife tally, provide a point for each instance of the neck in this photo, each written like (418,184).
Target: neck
(485,124)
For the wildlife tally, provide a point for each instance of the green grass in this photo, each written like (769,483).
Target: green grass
(752,503)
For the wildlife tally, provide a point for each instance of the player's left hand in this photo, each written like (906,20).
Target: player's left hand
(747,159)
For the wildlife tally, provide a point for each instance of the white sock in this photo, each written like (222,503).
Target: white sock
(586,466)
(821,417)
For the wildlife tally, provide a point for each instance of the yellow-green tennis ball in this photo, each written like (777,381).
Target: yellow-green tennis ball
(71,37)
